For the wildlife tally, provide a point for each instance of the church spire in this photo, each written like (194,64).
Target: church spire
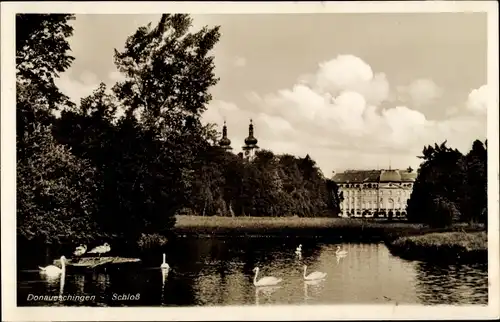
(225,143)
(250,142)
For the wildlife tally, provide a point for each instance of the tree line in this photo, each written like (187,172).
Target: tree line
(127,159)
(450,187)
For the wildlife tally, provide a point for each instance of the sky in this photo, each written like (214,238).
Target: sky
(352,90)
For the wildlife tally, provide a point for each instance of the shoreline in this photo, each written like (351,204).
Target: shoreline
(406,240)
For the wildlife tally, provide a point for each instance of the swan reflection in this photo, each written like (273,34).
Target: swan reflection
(339,257)
(164,275)
(314,284)
(79,281)
(267,291)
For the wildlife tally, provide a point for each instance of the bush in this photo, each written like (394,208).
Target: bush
(444,214)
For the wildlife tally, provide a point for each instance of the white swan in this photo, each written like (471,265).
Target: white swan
(314,275)
(265,281)
(164,265)
(53,270)
(298,251)
(80,250)
(339,252)
(105,248)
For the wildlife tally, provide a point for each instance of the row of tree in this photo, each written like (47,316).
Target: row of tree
(450,187)
(125,160)
(270,185)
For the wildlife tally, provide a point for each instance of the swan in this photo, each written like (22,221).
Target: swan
(105,248)
(164,265)
(53,270)
(80,250)
(314,275)
(265,281)
(339,252)
(298,251)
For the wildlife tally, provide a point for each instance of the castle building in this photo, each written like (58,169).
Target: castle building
(225,143)
(250,146)
(374,193)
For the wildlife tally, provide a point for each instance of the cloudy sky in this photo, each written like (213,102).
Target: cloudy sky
(355,91)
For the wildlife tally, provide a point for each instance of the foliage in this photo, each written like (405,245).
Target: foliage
(55,191)
(450,187)
(270,185)
(42,52)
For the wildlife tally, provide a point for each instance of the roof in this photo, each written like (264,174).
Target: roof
(390,176)
(360,176)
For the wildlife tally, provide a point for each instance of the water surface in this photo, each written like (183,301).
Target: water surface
(219,272)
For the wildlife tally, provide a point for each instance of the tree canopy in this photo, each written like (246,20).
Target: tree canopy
(450,186)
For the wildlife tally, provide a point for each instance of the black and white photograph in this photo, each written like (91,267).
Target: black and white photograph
(250,156)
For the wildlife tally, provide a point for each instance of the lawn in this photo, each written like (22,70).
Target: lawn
(358,229)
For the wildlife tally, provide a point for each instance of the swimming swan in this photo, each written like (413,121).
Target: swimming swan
(339,252)
(314,275)
(298,251)
(53,270)
(265,281)
(164,265)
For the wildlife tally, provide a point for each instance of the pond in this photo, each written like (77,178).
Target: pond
(211,271)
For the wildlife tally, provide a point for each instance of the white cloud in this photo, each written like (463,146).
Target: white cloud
(348,72)
(84,84)
(420,92)
(76,89)
(240,62)
(478,100)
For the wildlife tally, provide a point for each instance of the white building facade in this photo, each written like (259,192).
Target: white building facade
(375,193)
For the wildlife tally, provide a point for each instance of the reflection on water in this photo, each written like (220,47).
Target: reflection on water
(219,272)
(454,284)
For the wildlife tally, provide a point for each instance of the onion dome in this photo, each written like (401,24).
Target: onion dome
(224,142)
(390,176)
(250,140)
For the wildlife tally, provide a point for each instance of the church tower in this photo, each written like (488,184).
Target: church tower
(225,143)
(250,146)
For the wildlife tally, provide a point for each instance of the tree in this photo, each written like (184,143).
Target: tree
(168,72)
(42,52)
(474,195)
(450,187)
(55,191)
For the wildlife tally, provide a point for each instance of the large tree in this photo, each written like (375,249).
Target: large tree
(450,187)
(42,53)
(55,189)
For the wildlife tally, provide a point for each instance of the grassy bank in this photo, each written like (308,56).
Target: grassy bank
(446,246)
(330,228)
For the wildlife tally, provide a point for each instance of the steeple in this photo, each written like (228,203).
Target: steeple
(225,143)
(250,143)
